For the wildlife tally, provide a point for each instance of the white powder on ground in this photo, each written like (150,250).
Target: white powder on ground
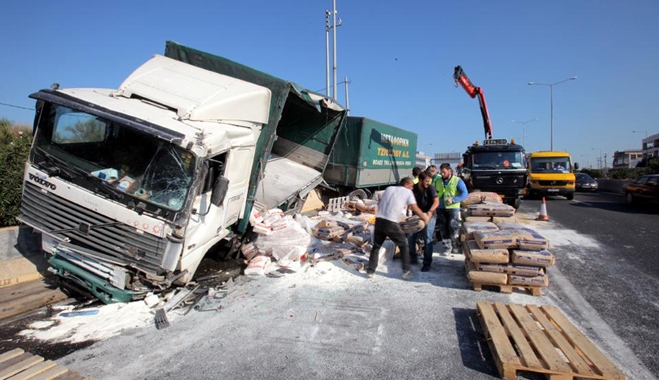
(110,321)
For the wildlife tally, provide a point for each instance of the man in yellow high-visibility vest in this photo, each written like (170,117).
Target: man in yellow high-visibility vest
(451,190)
(415,174)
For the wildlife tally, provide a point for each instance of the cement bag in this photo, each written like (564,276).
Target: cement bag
(472,199)
(412,224)
(500,209)
(480,209)
(504,219)
(477,219)
(541,280)
(486,278)
(468,229)
(509,226)
(289,243)
(491,197)
(542,258)
(520,270)
(478,255)
(532,241)
(497,239)
(257,266)
(491,209)
(387,251)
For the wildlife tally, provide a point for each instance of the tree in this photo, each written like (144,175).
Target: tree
(15,142)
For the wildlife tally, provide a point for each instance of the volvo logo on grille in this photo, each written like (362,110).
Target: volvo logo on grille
(553,183)
(84,228)
(42,181)
(499,180)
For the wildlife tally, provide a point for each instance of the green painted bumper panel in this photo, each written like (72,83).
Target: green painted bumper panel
(94,284)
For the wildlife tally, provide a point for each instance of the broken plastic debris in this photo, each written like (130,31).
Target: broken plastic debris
(78,313)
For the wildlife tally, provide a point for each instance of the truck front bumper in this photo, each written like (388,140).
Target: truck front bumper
(548,192)
(98,286)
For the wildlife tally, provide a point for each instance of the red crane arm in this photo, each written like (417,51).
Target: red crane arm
(461,78)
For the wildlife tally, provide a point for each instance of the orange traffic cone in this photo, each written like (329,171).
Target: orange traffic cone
(543,211)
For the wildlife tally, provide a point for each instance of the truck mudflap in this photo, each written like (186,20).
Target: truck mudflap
(98,286)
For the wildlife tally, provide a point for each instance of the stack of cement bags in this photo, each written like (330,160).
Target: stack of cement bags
(505,254)
(481,206)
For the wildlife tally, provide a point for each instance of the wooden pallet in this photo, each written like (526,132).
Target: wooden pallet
(541,339)
(19,365)
(534,290)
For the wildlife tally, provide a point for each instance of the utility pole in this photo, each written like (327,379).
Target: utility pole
(330,25)
(347,96)
(334,47)
(327,73)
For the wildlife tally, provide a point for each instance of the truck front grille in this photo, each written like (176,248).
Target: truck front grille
(498,181)
(118,243)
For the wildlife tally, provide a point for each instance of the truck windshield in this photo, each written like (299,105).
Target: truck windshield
(551,165)
(499,160)
(112,159)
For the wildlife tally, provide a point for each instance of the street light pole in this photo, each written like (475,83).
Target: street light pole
(646,133)
(599,158)
(524,128)
(551,109)
(334,47)
(331,25)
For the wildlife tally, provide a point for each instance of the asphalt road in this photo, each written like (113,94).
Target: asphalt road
(330,321)
(619,274)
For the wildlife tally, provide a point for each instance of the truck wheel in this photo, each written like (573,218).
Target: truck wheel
(570,196)
(517,203)
(629,199)
(358,194)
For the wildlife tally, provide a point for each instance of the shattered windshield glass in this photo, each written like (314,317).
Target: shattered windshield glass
(499,160)
(112,159)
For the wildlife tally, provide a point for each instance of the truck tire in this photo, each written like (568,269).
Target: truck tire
(569,196)
(358,194)
(517,203)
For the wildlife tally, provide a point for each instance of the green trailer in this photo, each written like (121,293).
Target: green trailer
(369,154)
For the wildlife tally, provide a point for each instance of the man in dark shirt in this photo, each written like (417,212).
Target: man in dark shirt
(426,199)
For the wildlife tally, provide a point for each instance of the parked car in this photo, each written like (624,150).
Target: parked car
(584,182)
(645,189)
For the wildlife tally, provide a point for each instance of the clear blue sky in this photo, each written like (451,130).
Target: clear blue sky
(398,56)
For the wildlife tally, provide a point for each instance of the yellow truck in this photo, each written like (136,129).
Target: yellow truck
(551,173)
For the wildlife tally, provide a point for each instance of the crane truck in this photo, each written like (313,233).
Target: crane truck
(496,165)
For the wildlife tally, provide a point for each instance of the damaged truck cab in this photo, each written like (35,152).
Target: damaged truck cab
(130,188)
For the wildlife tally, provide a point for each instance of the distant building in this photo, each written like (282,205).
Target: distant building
(626,158)
(422,160)
(452,158)
(651,147)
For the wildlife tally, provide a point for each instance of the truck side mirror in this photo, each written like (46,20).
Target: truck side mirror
(220,191)
(576,166)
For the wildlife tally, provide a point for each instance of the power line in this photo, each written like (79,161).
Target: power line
(15,106)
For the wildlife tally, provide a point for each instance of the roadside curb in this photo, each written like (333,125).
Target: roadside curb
(20,270)
(21,258)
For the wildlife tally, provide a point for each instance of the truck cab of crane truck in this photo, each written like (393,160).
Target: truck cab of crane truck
(551,173)
(496,166)
(131,187)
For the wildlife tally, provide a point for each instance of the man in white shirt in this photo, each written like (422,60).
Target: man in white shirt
(391,208)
